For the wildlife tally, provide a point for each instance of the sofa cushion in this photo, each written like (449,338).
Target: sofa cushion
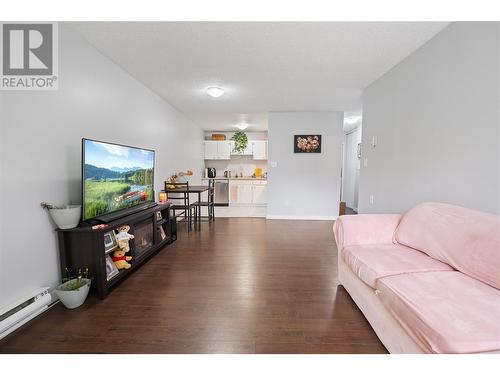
(370,262)
(444,312)
(467,240)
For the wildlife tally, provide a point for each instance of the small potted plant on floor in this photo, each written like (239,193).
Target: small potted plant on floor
(74,290)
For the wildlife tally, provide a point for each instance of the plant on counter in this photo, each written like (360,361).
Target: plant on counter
(240,141)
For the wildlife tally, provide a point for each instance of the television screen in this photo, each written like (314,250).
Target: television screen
(115,177)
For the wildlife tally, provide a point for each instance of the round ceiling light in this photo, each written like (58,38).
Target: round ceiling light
(242,126)
(215,92)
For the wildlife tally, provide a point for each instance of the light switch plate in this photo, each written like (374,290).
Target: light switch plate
(365,162)
(374,141)
(274,164)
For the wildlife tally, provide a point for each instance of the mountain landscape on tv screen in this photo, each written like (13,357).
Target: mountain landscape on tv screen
(115,177)
(107,190)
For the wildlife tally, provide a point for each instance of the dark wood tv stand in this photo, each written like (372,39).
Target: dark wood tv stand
(84,247)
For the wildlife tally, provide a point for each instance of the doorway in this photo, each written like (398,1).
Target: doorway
(351,168)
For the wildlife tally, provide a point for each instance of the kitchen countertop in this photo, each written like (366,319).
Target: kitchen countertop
(237,178)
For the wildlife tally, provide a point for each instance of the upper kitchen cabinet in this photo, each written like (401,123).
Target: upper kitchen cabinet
(259,150)
(218,150)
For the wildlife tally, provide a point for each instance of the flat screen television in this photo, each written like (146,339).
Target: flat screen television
(115,177)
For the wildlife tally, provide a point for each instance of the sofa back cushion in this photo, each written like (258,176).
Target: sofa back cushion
(466,239)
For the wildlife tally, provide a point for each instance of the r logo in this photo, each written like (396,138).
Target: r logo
(27,49)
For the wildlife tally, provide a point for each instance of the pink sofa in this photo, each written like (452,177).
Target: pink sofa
(428,281)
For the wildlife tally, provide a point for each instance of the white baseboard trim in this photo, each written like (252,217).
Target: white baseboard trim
(287,217)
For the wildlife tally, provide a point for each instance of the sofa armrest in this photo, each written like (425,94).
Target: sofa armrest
(365,229)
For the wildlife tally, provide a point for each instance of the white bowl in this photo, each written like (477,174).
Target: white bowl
(68,217)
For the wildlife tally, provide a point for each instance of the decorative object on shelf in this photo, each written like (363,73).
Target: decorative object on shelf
(74,290)
(218,137)
(307,144)
(99,226)
(120,259)
(158,215)
(162,233)
(65,217)
(240,141)
(163,197)
(123,237)
(179,177)
(109,241)
(111,269)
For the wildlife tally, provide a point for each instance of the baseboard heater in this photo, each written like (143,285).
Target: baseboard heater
(23,310)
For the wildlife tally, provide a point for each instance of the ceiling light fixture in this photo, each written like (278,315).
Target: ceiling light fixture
(215,92)
(352,120)
(242,126)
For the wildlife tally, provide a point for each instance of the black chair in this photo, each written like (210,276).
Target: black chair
(184,206)
(210,202)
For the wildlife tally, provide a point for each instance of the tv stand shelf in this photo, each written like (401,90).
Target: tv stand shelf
(84,247)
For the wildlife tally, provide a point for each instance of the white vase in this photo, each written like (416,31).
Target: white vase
(73,298)
(67,217)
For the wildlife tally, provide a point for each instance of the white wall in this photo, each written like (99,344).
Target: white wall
(304,185)
(350,178)
(41,145)
(436,116)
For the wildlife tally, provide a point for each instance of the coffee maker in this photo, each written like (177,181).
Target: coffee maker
(211,173)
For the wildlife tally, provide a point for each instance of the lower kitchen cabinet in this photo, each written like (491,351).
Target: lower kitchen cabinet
(259,194)
(247,192)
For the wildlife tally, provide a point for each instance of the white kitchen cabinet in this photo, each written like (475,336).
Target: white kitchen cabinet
(259,150)
(241,191)
(224,150)
(217,150)
(247,192)
(259,194)
(249,149)
(211,150)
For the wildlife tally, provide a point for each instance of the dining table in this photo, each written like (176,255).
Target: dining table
(191,189)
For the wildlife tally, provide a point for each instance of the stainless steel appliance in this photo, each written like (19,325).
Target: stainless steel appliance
(221,192)
(211,173)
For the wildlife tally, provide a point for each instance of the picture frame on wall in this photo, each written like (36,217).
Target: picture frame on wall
(110,241)
(307,144)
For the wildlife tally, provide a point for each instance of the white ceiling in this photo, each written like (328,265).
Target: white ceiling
(263,66)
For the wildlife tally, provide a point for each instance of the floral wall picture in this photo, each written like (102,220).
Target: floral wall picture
(310,144)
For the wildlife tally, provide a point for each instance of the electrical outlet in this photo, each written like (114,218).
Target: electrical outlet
(372,199)
(274,164)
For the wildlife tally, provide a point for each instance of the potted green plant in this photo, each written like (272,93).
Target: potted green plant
(74,289)
(240,141)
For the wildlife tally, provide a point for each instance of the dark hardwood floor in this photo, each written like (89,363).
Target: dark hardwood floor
(238,286)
